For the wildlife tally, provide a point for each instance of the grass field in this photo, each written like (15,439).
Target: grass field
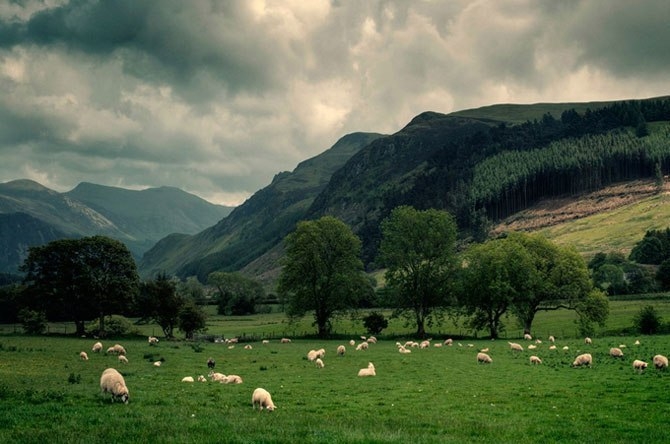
(47,394)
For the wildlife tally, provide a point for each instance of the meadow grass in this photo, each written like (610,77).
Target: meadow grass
(431,395)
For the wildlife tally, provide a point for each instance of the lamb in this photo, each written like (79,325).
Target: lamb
(284,341)
(552,339)
(201,378)
(639,365)
(369,371)
(535,360)
(187,379)
(83,356)
(362,346)
(584,359)
(248,347)
(319,363)
(341,350)
(484,358)
(660,362)
(153,340)
(232,379)
(97,347)
(588,341)
(112,382)
(616,352)
(263,399)
(217,377)
(527,337)
(158,363)
(449,342)
(123,359)
(515,347)
(352,342)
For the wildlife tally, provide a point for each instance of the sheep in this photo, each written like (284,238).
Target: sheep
(660,362)
(116,349)
(187,379)
(552,347)
(158,363)
(97,347)
(319,363)
(484,358)
(284,341)
(265,341)
(112,382)
(449,342)
(535,360)
(202,378)
(352,343)
(566,348)
(637,342)
(437,344)
(153,340)
(372,340)
(217,377)
(230,347)
(484,350)
(584,359)
(210,363)
(123,359)
(588,341)
(263,399)
(404,350)
(424,344)
(369,371)
(232,341)
(527,337)
(341,350)
(552,339)
(639,365)
(532,347)
(312,355)
(248,347)
(515,347)
(83,356)
(616,352)
(362,346)
(232,379)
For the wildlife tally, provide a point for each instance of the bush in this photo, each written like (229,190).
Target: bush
(647,321)
(375,322)
(114,326)
(33,322)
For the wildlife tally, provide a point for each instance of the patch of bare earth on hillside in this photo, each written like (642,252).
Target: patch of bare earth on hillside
(549,212)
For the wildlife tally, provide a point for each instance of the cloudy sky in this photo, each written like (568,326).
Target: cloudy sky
(216,97)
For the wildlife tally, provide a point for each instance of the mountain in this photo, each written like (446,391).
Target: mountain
(481,165)
(259,224)
(34,215)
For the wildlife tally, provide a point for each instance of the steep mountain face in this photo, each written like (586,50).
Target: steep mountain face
(259,224)
(34,215)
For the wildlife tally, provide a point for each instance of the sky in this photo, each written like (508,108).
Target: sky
(216,97)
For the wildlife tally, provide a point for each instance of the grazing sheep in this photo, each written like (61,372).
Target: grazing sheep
(437,344)
(535,360)
(319,363)
(566,348)
(217,377)
(424,344)
(352,342)
(232,379)
(116,349)
(484,350)
(616,352)
(341,350)
(265,341)
(372,340)
(113,383)
(552,339)
(230,347)
(369,371)
(153,340)
(210,363)
(622,345)
(158,363)
(248,347)
(285,341)
(187,379)
(515,347)
(532,347)
(97,347)
(312,355)
(637,342)
(660,362)
(449,342)
(404,350)
(263,399)
(527,337)
(484,358)
(588,340)
(639,365)
(123,359)
(584,359)
(552,347)
(83,356)
(362,346)
(201,378)
(232,341)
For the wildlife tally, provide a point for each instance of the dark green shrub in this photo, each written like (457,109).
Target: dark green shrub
(647,321)
(375,322)
(33,322)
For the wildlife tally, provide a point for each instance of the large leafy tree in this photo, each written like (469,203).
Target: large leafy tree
(160,302)
(192,319)
(237,294)
(418,249)
(322,271)
(80,279)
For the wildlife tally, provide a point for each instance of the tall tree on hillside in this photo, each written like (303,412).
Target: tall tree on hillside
(418,249)
(80,279)
(322,271)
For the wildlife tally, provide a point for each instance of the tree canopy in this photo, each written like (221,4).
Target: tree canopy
(418,248)
(322,271)
(159,301)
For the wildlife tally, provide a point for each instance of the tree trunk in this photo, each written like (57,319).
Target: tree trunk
(80,327)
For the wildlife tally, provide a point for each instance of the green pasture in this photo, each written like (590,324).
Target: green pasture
(47,394)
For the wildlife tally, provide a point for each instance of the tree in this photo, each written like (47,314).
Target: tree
(663,274)
(375,322)
(238,294)
(159,302)
(322,271)
(80,279)
(647,321)
(594,308)
(191,319)
(418,249)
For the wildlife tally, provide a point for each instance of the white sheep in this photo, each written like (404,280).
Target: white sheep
(116,349)
(372,340)
(232,379)
(588,341)
(616,352)
(112,382)
(123,359)
(449,342)
(158,363)
(637,342)
(312,355)
(566,348)
(660,362)
(217,377)
(362,346)
(639,365)
(515,347)
(202,378)
(437,344)
(352,342)
(424,344)
(484,350)
(527,337)
(187,379)
(583,359)
(97,347)
(248,347)
(341,350)
(532,347)
(263,399)
(265,341)
(484,358)
(535,360)
(285,341)
(153,340)
(552,347)
(368,371)
(552,339)
(319,363)
(404,350)
(83,356)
